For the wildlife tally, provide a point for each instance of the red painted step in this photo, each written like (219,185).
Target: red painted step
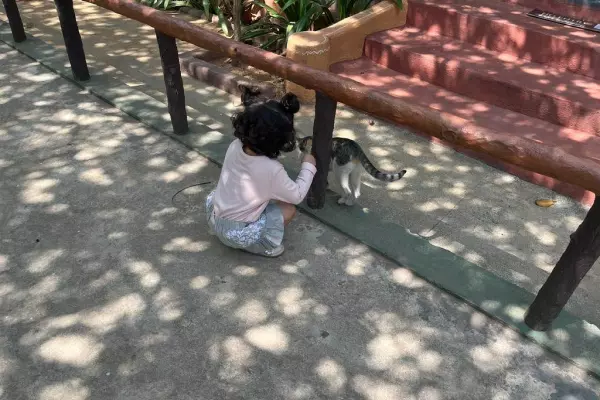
(504,80)
(451,104)
(560,7)
(506,28)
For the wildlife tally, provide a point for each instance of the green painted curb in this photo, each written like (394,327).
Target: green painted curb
(570,337)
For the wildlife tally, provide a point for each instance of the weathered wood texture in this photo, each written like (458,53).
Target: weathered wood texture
(581,254)
(221,78)
(72,38)
(537,157)
(321,148)
(173,82)
(14,20)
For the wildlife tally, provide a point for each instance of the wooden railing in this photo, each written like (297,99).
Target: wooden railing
(584,247)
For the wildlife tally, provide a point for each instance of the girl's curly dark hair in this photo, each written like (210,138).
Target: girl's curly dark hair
(267,126)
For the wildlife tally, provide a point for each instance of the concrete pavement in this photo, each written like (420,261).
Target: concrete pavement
(110,287)
(497,209)
(480,214)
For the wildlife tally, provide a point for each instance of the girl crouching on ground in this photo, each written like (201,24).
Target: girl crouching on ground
(254,199)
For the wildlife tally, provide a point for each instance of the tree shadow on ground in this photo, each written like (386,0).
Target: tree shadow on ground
(110,288)
(481,214)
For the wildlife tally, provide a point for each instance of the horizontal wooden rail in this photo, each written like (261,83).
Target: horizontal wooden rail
(543,159)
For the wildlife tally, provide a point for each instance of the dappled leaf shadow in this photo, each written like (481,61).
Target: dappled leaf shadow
(112,289)
(481,214)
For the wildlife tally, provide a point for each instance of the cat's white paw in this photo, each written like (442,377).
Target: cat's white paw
(349,201)
(342,200)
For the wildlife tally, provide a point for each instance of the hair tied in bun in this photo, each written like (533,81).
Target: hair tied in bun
(290,103)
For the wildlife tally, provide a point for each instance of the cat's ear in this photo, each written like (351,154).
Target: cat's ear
(290,103)
(248,93)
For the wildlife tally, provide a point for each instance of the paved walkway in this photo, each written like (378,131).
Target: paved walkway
(110,287)
(482,215)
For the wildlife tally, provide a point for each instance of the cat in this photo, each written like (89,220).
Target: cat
(251,95)
(347,157)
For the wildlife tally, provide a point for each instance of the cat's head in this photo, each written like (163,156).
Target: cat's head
(251,95)
(305,144)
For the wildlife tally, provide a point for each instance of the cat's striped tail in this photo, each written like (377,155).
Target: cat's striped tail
(377,174)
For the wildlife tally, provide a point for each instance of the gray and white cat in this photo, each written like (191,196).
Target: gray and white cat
(347,162)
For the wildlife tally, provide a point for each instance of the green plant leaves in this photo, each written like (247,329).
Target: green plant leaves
(275,28)
(291,16)
(294,16)
(224,22)
(270,10)
(164,4)
(207,7)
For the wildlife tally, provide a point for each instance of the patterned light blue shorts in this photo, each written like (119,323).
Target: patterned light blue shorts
(259,237)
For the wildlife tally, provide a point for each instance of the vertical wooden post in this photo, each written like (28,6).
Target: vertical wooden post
(581,254)
(72,38)
(321,148)
(173,82)
(14,20)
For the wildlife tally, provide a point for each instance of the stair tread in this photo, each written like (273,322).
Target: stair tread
(497,66)
(515,14)
(453,105)
(573,10)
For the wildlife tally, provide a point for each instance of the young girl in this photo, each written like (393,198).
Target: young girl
(254,199)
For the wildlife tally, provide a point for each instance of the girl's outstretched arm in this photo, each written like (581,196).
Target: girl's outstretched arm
(285,189)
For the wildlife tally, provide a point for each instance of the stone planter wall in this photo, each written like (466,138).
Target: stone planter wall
(341,41)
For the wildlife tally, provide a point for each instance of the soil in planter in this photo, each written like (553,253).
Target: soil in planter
(246,71)
(252,74)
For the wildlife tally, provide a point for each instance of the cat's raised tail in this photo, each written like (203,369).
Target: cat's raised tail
(377,174)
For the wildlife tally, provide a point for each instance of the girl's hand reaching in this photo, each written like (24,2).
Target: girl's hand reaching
(309,159)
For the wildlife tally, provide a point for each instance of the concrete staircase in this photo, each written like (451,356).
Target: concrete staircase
(490,63)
